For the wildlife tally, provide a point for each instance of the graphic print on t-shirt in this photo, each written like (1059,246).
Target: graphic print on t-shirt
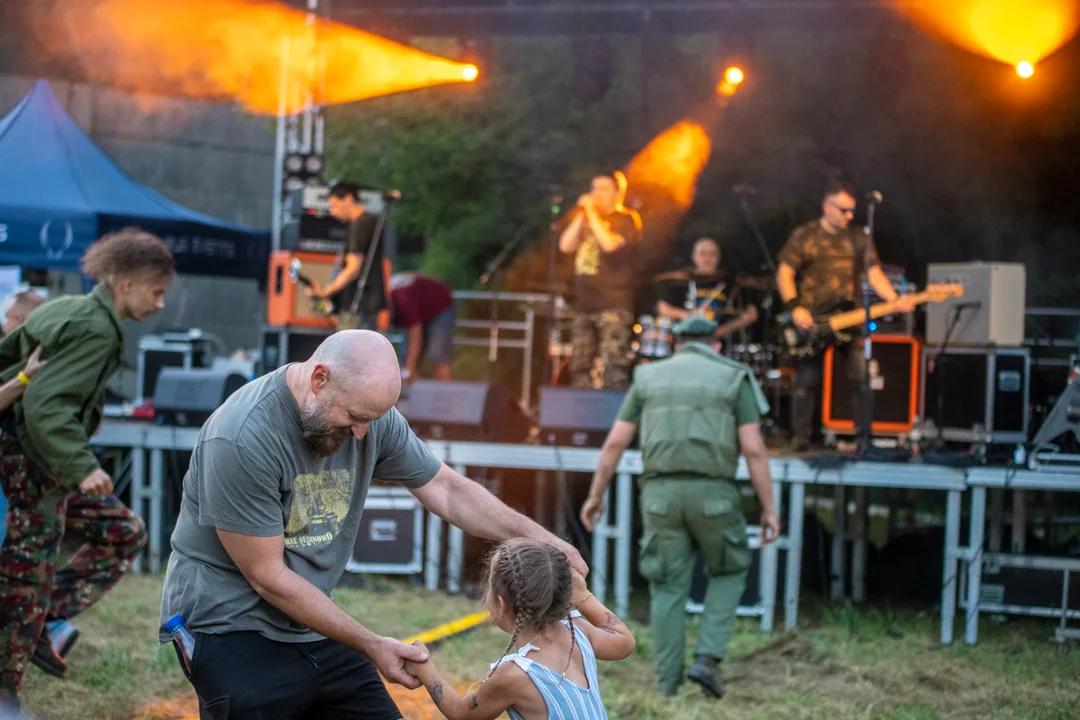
(587,260)
(320,503)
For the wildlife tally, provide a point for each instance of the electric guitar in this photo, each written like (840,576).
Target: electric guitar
(323,306)
(829,326)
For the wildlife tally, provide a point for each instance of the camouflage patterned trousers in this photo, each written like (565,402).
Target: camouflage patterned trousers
(106,534)
(603,337)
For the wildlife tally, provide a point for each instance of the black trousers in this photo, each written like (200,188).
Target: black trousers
(246,676)
(808,379)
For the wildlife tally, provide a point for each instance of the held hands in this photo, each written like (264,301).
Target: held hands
(34,363)
(399,662)
(770,527)
(802,318)
(97,484)
(593,508)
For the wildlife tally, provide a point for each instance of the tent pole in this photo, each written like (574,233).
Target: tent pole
(279,151)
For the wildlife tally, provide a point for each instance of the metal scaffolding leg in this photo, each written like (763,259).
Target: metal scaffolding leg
(838,588)
(794,556)
(974,579)
(952,564)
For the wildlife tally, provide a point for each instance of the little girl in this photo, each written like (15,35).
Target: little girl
(551,675)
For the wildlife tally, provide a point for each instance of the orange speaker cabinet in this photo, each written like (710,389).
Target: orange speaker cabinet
(287,302)
(894,382)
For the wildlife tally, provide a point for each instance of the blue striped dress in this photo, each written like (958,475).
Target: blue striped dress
(566,700)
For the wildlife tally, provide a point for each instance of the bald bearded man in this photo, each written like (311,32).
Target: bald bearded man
(270,513)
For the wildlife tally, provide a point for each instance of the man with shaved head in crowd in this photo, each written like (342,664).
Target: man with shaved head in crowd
(270,514)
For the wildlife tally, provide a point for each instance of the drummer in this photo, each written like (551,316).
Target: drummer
(703,290)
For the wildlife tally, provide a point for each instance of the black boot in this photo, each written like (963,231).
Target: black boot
(706,672)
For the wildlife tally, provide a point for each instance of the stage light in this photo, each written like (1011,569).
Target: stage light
(734,75)
(1025,69)
(470,73)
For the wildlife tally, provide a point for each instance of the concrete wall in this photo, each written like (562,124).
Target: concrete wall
(211,158)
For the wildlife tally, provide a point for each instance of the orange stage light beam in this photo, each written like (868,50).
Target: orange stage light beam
(670,164)
(238,50)
(1019,33)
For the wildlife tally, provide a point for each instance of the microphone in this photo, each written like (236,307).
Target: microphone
(874,196)
(744,188)
(392,195)
(973,305)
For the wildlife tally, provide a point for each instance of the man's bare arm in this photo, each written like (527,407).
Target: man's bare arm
(261,560)
(570,239)
(349,274)
(609,241)
(618,440)
(881,284)
(469,506)
(785,282)
(666,309)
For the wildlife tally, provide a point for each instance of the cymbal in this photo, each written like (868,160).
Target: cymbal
(756,282)
(673,275)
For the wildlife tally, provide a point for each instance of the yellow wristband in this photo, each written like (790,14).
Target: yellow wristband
(24,378)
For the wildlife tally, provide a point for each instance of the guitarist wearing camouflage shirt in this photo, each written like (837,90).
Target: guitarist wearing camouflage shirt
(819,267)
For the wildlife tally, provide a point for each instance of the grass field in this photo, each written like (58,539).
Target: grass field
(842,663)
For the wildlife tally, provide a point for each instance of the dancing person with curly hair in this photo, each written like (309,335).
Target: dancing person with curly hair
(45,447)
(536,597)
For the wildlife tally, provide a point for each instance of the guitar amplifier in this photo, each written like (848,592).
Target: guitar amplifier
(286,300)
(1000,290)
(894,382)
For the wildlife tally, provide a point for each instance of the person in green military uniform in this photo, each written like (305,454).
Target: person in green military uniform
(698,412)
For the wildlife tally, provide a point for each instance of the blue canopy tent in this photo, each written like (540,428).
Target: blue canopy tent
(59,192)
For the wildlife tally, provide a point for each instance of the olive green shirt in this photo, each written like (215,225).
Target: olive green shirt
(746,411)
(82,339)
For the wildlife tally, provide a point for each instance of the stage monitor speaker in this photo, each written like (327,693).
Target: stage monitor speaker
(578,417)
(894,382)
(287,302)
(284,345)
(187,398)
(456,410)
(999,288)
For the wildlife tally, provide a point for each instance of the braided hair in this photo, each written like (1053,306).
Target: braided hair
(535,581)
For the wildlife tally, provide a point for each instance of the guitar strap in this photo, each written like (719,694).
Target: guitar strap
(369,261)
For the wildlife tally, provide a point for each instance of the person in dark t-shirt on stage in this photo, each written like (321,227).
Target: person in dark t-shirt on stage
(370,314)
(600,236)
(424,308)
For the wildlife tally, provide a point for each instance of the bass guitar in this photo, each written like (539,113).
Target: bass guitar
(829,327)
(323,306)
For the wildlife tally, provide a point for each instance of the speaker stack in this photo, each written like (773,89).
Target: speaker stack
(975,361)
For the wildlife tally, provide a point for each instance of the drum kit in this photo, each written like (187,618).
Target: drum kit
(655,336)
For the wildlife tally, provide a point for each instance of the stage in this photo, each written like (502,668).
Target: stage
(613,537)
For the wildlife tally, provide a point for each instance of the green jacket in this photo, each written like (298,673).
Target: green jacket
(688,412)
(82,338)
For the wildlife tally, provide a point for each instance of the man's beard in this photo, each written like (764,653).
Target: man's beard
(320,436)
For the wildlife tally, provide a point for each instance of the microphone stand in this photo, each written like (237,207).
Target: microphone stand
(864,443)
(767,302)
(492,272)
(555,307)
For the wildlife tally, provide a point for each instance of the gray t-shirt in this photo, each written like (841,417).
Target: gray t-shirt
(251,473)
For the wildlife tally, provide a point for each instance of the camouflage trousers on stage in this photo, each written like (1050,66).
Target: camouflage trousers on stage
(601,350)
(105,536)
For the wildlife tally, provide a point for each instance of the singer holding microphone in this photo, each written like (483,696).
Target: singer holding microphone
(600,236)
(822,265)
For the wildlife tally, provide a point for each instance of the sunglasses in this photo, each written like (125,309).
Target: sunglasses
(845,210)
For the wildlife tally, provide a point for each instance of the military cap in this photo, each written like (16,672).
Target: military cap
(694,326)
